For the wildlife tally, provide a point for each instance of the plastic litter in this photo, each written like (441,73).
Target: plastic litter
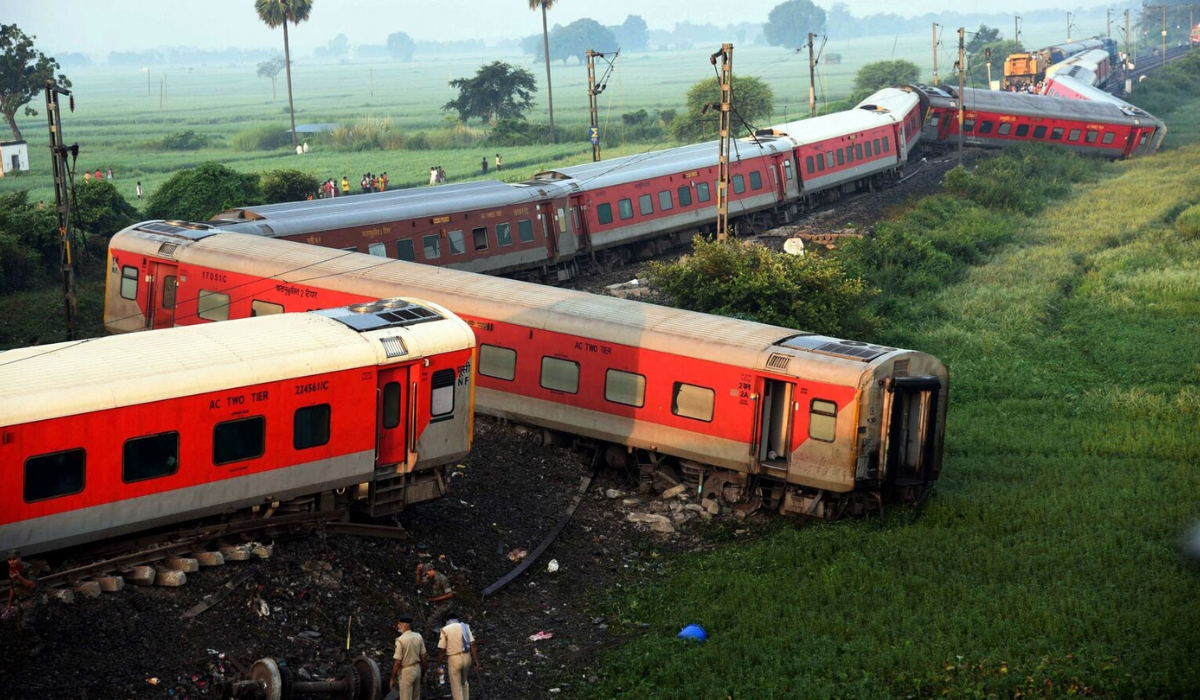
(517,555)
(552,567)
(540,635)
(695,632)
(153,681)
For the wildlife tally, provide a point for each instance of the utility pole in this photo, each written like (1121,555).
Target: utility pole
(62,199)
(935,76)
(725,82)
(1128,56)
(1164,36)
(592,107)
(1017,29)
(372,81)
(1068,27)
(962,34)
(1108,21)
(162,88)
(812,77)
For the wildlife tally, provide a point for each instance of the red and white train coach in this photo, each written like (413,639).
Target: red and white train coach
(805,423)
(360,406)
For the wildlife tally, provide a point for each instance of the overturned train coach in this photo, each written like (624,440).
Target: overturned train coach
(358,407)
(756,414)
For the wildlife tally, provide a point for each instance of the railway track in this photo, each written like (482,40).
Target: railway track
(1147,63)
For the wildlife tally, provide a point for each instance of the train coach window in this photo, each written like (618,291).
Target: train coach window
(310,426)
(1110,137)
(1022,130)
(264,308)
(1074,135)
(525,231)
(645,205)
(560,375)
(53,475)
(441,392)
(625,208)
(739,184)
(150,457)
(377,249)
(1004,129)
(702,192)
(604,213)
(1142,141)
(1092,136)
(887,147)
(480,237)
(664,201)
(431,247)
(858,151)
(829,159)
(808,165)
(498,362)
(504,235)
(625,388)
(820,163)
(391,405)
(755,180)
(968,126)
(873,146)
(822,420)
(1039,132)
(787,169)
(458,245)
(129,282)
(986,127)
(1056,133)
(405,250)
(239,440)
(841,157)
(685,196)
(168,294)
(213,306)
(690,401)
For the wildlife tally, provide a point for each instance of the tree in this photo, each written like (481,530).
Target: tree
(752,100)
(270,69)
(574,40)
(499,90)
(287,186)
(984,35)
(633,34)
(545,5)
(100,210)
(977,61)
(23,74)
(200,193)
(790,21)
(275,13)
(337,49)
(401,46)
(881,74)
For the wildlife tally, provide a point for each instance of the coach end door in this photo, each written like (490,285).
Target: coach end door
(910,431)
(161,303)
(775,423)
(394,419)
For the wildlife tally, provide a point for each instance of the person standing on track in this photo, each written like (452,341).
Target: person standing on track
(411,661)
(457,644)
(483,164)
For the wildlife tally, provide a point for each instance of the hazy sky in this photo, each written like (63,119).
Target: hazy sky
(99,26)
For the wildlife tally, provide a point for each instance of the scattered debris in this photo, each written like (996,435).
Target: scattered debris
(540,635)
(552,567)
(695,632)
(657,523)
(517,555)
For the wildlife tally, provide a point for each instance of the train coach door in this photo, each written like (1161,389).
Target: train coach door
(775,423)
(394,420)
(579,222)
(161,302)
(910,433)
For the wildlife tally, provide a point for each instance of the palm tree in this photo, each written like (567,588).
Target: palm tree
(546,5)
(274,13)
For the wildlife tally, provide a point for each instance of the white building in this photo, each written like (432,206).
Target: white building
(14,156)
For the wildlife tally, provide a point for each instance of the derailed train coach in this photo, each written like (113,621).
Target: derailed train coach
(755,414)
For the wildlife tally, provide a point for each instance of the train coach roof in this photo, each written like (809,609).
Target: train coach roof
(598,317)
(618,171)
(293,218)
(49,381)
(1041,106)
(831,126)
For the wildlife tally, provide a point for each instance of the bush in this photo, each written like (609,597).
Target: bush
(369,134)
(287,186)
(33,228)
(184,141)
(20,266)
(1168,88)
(1020,179)
(512,132)
(101,210)
(1188,223)
(268,137)
(200,193)
(749,281)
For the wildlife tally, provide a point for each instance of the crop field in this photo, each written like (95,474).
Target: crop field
(1048,563)
(118,123)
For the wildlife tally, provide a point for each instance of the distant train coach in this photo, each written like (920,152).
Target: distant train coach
(352,407)
(755,414)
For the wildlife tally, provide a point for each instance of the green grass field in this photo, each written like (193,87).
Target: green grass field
(1048,563)
(116,121)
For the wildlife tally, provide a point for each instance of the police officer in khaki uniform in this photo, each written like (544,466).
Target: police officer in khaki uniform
(457,644)
(410,661)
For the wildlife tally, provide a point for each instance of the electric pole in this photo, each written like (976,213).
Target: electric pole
(1017,30)
(1068,27)
(812,77)
(935,76)
(1108,21)
(962,34)
(1128,56)
(725,82)
(62,199)
(1164,35)
(594,110)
